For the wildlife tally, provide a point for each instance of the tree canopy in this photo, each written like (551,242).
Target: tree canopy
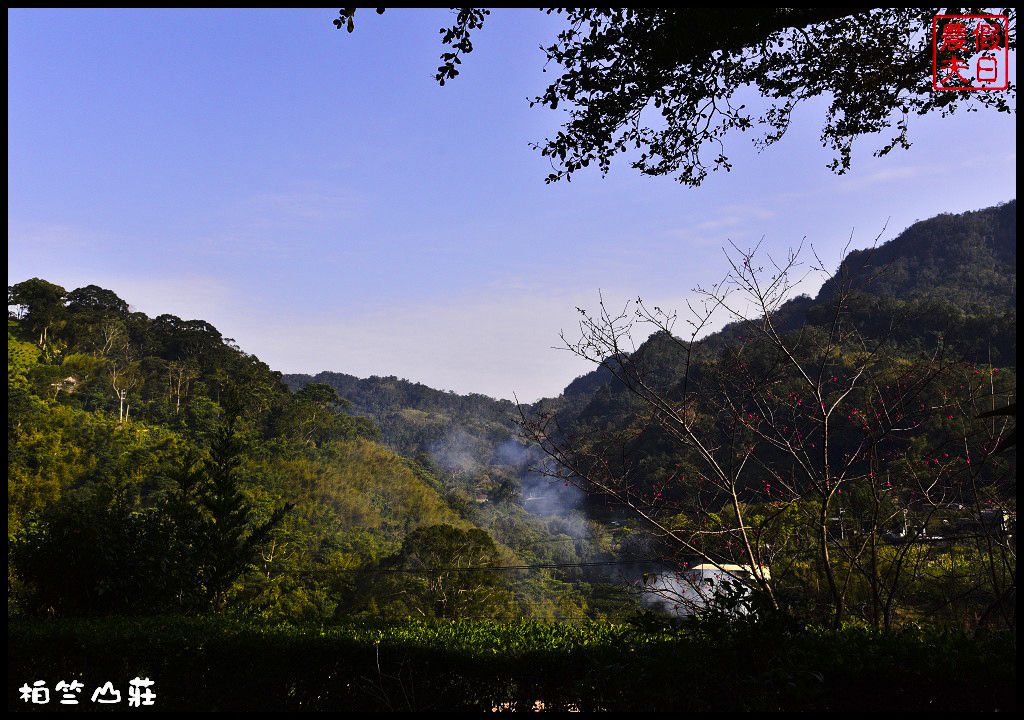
(669,83)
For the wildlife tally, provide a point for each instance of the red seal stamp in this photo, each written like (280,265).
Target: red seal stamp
(970,52)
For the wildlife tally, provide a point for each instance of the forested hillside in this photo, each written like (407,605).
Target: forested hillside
(153,466)
(139,443)
(472,444)
(842,450)
(968,260)
(922,327)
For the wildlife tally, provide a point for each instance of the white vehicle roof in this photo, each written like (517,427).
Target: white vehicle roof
(710,569)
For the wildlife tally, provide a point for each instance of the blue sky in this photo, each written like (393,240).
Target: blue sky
(317,197)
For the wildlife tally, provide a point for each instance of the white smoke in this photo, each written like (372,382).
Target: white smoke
(459,451)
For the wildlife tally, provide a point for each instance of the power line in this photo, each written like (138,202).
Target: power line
(539,566)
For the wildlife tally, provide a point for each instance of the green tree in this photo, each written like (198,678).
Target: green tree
(214,534)
(21,358)
(92,314)
(667,81)
(40,304)
(80,557)
(316,416)
(95,551)
(96,302)
(444,573)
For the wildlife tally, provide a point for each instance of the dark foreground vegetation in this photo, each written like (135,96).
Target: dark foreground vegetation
(222,664)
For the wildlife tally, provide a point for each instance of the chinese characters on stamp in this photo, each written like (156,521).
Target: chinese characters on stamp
(970,52)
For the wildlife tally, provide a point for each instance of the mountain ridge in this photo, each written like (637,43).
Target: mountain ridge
(913,267)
